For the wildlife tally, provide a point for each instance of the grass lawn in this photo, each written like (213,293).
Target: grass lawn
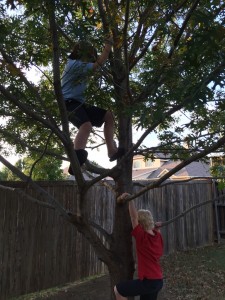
(195,275)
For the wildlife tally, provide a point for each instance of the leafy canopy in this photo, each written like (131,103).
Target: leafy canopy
(166,71)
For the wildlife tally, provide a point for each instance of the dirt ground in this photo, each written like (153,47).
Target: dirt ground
(97,288)
(94,289)
(194,275)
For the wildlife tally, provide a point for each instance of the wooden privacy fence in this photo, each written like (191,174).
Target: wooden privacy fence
(219,207)
(196,228)
(38,249)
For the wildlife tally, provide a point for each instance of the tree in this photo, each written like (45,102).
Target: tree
(218,170)
(168,61)
(44,169)
(7,175)
(4,174)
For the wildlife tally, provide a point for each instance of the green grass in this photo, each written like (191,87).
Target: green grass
(195,275)
(216,258)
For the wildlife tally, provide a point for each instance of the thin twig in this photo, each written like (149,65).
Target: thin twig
(42,154)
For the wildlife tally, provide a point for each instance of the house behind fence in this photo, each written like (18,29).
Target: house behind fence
(39,249)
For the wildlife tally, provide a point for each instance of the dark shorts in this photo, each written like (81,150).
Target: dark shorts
(147,288)
(80,113)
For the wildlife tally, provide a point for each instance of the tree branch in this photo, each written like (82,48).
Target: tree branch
(173,182)
(59,208)
(104,233)
(103,15)
(42,155)
(178,37)
(56,68)
(102,182)
(166,223)
(102,252)
(59,97)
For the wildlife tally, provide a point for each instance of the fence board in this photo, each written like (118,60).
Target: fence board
(38,249)
(220,213)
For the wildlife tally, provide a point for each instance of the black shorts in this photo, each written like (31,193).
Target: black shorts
(79,113)
(147,288)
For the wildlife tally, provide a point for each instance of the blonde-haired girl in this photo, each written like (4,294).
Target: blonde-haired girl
(149,248)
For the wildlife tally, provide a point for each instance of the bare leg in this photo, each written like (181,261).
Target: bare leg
(84,131)
(118,296)
(109,133)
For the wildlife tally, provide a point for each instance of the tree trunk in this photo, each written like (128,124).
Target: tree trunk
(122,268)
(122,265)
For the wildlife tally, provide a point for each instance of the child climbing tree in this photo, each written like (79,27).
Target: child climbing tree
(165,75)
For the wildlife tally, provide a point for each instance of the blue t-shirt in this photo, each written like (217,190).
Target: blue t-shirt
(74,79)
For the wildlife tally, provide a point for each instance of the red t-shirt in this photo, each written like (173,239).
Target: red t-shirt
(149,250)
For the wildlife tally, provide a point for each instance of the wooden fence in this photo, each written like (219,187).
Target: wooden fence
(219,207)
(38,249)
(196,228)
